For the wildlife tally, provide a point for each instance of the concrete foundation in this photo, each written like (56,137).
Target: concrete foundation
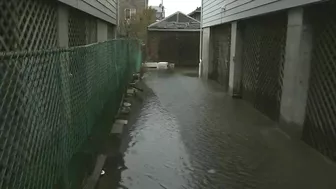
(102,31)
(296,69)
(211,54)
(63,26)
(206,44)
(115,32)
(236,61)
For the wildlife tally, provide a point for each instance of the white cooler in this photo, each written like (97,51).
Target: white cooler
(162,65)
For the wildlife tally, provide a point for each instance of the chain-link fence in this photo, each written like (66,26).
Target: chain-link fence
(50,102)
(263,61)
(320,121)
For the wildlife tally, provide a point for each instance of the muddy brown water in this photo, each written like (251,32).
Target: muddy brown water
(186,133)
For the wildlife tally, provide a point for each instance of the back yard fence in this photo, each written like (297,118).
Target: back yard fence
(50,103)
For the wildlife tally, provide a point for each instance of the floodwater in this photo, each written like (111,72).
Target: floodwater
(186,133)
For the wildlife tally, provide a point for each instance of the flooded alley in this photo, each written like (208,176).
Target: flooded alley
(187,133)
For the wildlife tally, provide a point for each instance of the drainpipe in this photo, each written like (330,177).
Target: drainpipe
(200,66)
(118,17)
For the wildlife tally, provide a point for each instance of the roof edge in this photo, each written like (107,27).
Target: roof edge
(177,30)
(163,19)
(195,11)
(178,12)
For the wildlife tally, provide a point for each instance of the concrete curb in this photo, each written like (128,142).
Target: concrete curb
(117,129)
(93,179)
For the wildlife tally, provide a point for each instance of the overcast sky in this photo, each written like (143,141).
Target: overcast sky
(171,6)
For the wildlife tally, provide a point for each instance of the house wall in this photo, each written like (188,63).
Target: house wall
(181,48)
(283,62)
(103,9)
(51,24)
(139,5)
(196,16)
(217,11)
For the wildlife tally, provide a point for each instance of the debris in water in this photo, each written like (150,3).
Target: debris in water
(205,181)
(212,171)
(121,121)
(117,128)
(191,169)
(150,176)
(102,172)
(130,91)
(127,104)
(137,88)
(163,186)
(167,166)
(162,65)
(125,110)
(171,65)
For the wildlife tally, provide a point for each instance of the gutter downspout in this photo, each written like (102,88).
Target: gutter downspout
(200,66)
(118,17)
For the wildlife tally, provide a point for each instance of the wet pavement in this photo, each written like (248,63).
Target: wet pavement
(185,133)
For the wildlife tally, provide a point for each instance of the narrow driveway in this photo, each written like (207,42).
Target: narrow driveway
(186,133)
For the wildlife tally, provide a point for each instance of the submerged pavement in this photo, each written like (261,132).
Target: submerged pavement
(185,133)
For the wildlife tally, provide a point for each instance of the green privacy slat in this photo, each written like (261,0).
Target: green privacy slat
(50,102)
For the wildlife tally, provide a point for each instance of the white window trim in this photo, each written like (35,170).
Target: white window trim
(132,12)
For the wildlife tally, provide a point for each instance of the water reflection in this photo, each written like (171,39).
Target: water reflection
(187,134)
(156,156)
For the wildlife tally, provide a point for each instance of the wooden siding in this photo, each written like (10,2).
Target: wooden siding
(181,48)
(221,11)
(104,9)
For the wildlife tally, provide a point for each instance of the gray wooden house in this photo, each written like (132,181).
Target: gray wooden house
(280,56)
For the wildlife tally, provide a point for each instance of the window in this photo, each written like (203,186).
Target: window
(129,13)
